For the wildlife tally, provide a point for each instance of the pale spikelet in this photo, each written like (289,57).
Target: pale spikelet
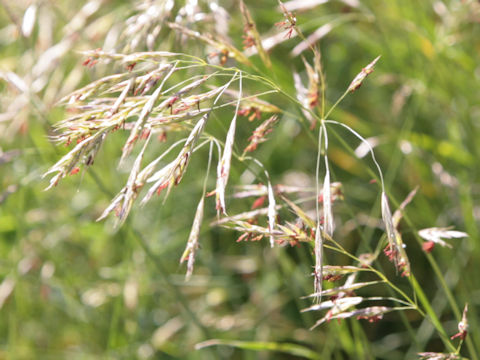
(218,43)
(272,41)
(250,190)
(139,124)
(398,214)
(247,227)
(388,222)
(293,233)
(363,149)
(114,204)
(313,85)
(172,173)
(300,213)
(272,213)
(252,104)
(334,270)
(29,19)
(143,83)
(343,288)
(161,121)
(192,244)
(122,96)
(144,26)
(84,150)
(358,80)
(196,99)
(123,201)
(163,173)
(318,271)
(462,326)
(303,5)
(395,248)
(328,224)
(260,133)
(311,39)
(16,81)
(372,314)
(436,234)
(242,216)
(193,85)
(251,35)
(152,56)
(301,94)
(438,356)
(257,190)
(223,167)
(340,305)
(99,86)
(132,187)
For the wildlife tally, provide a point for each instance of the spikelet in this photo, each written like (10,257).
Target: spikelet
(192,244)
(436,234)
(251,36)
(172,173)
(328,224)
(139,124)
(123,201)
(395,248)
(223,168)
(219,43)
(318,270)
(358,80)
(272,213)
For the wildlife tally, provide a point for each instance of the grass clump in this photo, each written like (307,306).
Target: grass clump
(173,89)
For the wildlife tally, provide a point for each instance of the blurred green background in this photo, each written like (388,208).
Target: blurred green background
(73,288)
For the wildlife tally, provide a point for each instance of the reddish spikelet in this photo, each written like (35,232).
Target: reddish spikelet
(332,277)
(358,80)
(90,62)
(243,112)
(248,40)
(251,37)
(75,170)
(224,57)
(390,252)
(161,187)
(145,134)
(257,238)
(211,193)
(243,237)
(86,62)
(394,256)
(80,139)
(131,66)
(462,326)
(371,319)
(162,137)
(257,114)
(259,202)
(260,133)
(428,246)
(289,23)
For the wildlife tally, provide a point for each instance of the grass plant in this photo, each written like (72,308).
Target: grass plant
(239,180)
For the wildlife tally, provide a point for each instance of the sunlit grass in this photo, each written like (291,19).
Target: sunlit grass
(72,287)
